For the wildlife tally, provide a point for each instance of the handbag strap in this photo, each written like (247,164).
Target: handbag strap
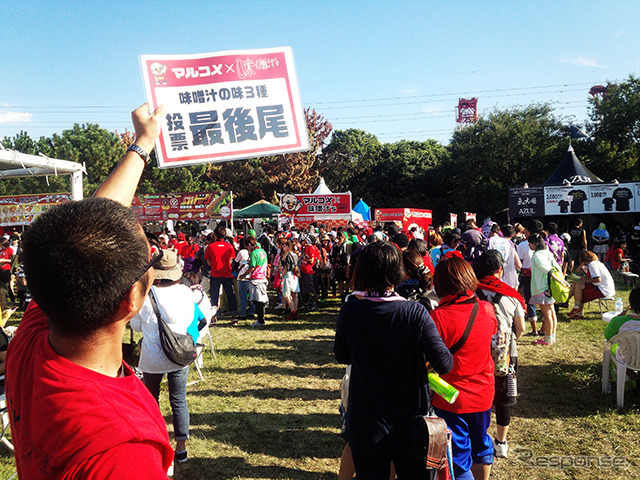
(472,319)
(156,310)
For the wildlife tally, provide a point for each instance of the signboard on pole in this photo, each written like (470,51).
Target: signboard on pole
(453,219)
(24,209)
(183,206)
(526,202)
(225,106)
(299,205)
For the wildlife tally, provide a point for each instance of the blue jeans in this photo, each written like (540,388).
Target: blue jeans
(177,398)
(243,294)
(227,284)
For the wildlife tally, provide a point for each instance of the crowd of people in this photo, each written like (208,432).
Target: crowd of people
(452,301)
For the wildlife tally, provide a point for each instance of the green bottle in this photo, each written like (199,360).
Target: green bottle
(442,387)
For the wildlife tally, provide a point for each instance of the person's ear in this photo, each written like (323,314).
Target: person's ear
(134,299)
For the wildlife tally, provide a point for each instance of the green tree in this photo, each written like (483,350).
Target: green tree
(98,149)
(350,155)
(507,148)
(615,125)
(403,175)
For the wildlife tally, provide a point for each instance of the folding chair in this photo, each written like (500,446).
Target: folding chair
(629,346)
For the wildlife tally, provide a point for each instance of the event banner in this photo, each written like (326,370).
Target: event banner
(594,198)
(311,204)
(225,105)
(24,209)
(526,202)
(183,206)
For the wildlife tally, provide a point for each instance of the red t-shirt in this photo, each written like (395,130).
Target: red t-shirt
(219,255)
(6,254)
(309,259)
(70,422)
(472,372)
(615,264)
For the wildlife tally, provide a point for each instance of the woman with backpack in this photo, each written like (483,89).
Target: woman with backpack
(509,307)
(542,262)
(466,326)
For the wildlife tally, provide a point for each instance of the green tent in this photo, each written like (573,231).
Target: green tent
(260,209)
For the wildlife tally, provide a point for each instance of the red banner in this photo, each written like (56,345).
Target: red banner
(23,209)
(183,206)
(313,205)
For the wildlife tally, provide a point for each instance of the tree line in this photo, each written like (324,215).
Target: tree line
(507,147)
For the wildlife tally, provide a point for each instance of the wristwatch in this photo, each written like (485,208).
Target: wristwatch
(140,151)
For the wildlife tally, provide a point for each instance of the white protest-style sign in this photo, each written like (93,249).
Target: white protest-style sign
(225,106)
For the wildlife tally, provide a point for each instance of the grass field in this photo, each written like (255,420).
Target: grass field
(268,407)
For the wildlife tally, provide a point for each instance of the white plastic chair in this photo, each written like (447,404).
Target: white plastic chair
(629,347)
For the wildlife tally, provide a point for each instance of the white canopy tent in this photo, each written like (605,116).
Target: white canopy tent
(16,164)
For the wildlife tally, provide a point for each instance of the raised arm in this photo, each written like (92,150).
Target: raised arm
(121,184)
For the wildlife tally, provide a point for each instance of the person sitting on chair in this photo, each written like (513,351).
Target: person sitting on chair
(596,283)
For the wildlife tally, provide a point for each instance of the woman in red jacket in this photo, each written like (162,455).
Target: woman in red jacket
(472,373)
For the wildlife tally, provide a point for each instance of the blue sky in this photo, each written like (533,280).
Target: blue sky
(394,69)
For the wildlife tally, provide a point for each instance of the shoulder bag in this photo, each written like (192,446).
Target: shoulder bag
(179,349)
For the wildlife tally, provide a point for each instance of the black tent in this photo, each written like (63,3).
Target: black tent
(571,171)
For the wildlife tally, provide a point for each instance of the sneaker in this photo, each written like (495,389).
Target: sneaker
(541,341)
(293,316)
(257,324)
(500,449)
(234,322)
(170,471)
(278,307)
(575,313)
(531,334)
(181,457)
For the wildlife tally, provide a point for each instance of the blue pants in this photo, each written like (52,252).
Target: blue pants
(177,398)
(470,442)
(243,294)
(227,284)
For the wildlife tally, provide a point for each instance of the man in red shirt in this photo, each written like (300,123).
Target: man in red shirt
(218,256)
(76,409)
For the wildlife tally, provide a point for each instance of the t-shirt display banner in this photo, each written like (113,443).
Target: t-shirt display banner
(225,106)
(526,202)
(310,204)
(24,209)
(183,206)
(566,200)
(614,198)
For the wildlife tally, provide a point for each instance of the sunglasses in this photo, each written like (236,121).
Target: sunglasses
(155,258)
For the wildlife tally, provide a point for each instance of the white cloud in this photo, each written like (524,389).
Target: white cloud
(15,117)
(583,61)
(433,108)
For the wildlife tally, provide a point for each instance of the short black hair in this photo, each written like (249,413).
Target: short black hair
(508,230)
(552,228)
(489,263)
(81,258)
(634,299)
(379,266)
(419,245)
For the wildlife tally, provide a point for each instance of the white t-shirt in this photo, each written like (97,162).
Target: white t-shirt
(525,254)
(606,284)
(243,259)
(508,251)
(179,310)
